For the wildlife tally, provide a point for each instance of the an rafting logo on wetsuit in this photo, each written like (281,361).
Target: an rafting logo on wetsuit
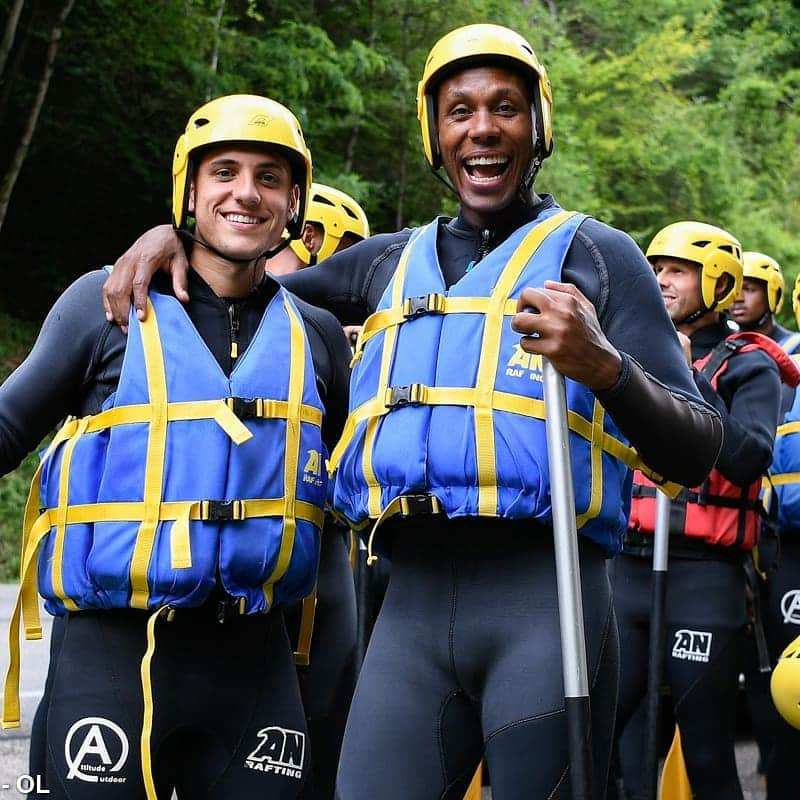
(790,607)
(692,645)
(280,751)
(521,363)
(312,471)
(93,754)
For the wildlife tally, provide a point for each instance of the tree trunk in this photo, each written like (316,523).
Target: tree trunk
(24,143)
(350,149)
(10,32)
(215,52)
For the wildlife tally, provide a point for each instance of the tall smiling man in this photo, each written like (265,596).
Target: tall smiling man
(445,441)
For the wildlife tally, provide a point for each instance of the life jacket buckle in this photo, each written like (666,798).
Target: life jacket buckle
(423,304)
(221,510)
(413,504)
(246,407)
(396,396)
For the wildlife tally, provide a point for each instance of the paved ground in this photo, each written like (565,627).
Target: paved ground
(14,743)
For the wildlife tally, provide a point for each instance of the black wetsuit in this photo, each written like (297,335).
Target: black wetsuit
(221,691)
(780,596)
(706,613)
(465,655)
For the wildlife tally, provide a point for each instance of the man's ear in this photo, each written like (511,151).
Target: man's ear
(307,237)
(724,285)
(294,202)
(190,204)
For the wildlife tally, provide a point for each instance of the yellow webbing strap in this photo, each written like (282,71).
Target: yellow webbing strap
(788,427)
(291,458)
(387,356)
(60,515)
(782,478)
(147,696)
(27,574)
(437,304)
(302,653)
(596,456)
(400,505)
(490,354)
(154,463)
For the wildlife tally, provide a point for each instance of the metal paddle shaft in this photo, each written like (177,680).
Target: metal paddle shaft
(655,667)
(568,579)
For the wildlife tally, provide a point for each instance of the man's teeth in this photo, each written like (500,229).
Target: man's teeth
(486,161)
(242,218)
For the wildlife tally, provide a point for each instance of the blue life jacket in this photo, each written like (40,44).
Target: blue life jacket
(188,478)
(784,474)
(446,408)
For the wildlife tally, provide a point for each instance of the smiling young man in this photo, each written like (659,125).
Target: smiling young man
(713,526)
(445,448)
(180,505)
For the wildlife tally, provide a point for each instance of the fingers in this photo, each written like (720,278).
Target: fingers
(180,276)
(116,294)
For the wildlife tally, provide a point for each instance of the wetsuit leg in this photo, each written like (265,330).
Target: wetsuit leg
(782,625)
(328,681)
(631,578)
(37,756)
(703,655)
(227,716)
(467,648)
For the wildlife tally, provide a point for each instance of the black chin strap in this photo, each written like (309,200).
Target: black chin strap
(266,254)
(695,315)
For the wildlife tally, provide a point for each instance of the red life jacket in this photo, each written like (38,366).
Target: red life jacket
(718,511)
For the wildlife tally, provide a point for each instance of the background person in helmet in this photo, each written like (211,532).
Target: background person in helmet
(781,592)
(713,527)
(334,221)
(761,297)
(465,655)
(227,717)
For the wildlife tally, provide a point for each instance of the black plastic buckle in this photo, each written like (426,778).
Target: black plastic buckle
(397,396)
(422,304)
(245,407)
(221,510)
(412,504)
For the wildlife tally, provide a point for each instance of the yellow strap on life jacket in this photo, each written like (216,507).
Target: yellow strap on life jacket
(302,653)
(147,696)
(291,458)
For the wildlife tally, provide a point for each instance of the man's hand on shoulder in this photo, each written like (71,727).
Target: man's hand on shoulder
(158,248)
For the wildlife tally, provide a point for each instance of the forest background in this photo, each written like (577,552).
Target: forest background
(663,110)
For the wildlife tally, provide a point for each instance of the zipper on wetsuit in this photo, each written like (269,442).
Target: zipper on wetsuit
(233,313)
(483,249)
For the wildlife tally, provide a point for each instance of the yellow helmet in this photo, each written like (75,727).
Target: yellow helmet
(761,267)
(796,300)
(338,214)
(715,250)
(241,118)
(785,684)
(474,45)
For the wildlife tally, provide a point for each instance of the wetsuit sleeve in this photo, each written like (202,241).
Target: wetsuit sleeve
(350,283)
(331,355)
(655,402)
(748,401)
(52,381)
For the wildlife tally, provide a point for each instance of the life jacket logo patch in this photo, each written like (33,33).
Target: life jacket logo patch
(312,471)
(522,362)
(95,748)
(692,645)
(280,751)
(790,607)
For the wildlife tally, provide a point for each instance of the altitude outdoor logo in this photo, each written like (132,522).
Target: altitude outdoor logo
(692,645)
(790,607)
(522,362)
(280,751)
(95,748)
